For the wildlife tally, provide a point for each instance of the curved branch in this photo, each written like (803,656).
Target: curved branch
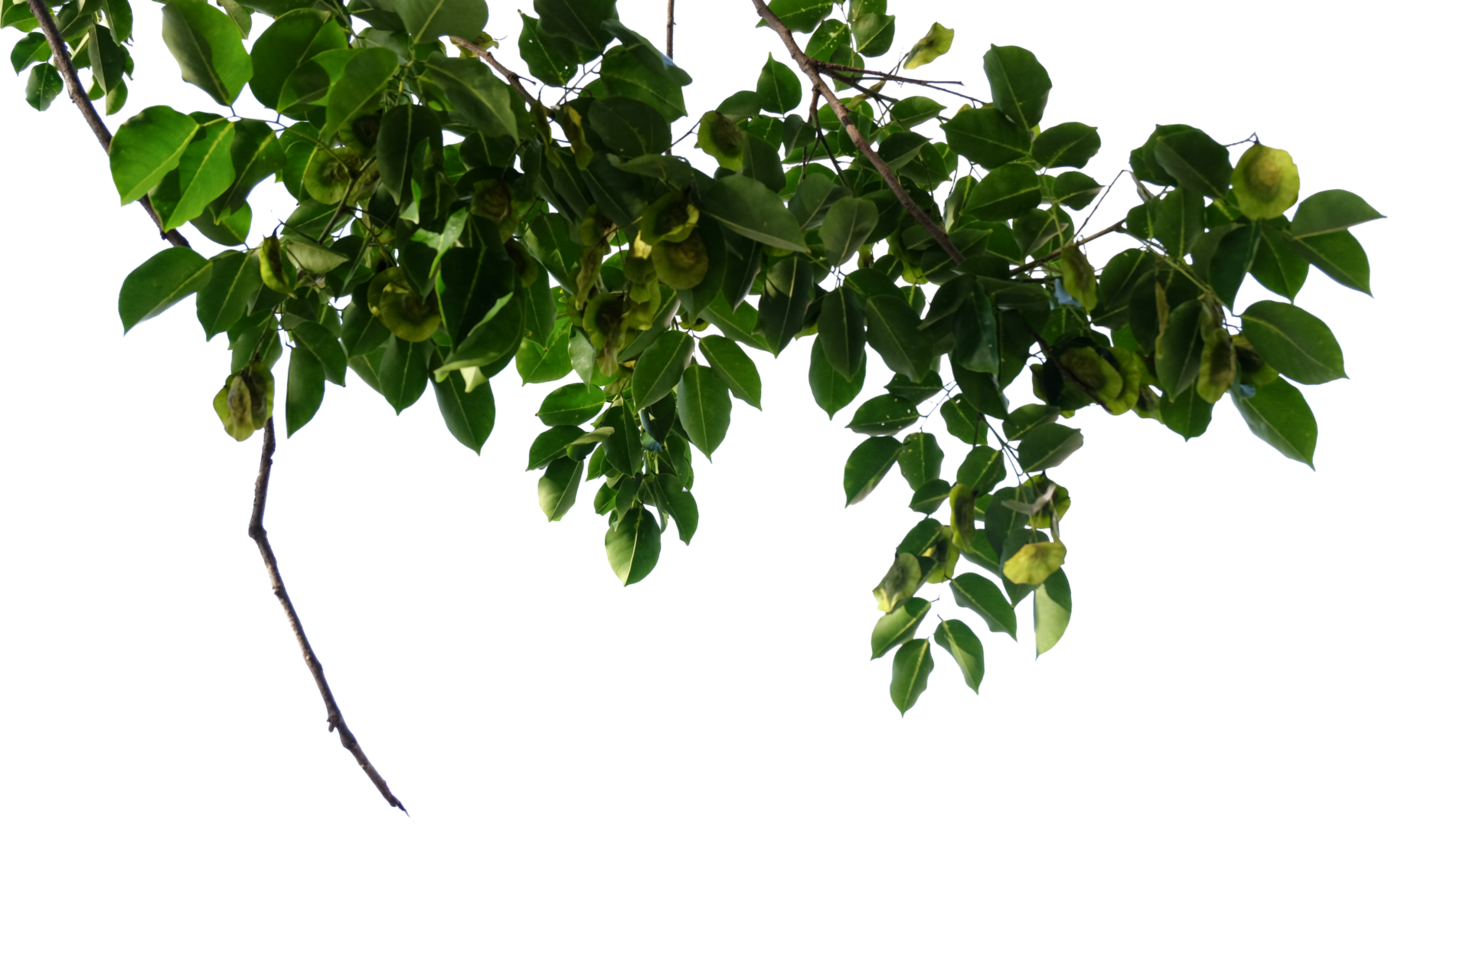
(335,721)
(489,59)
(1057,253)
(809,67)
(84,105)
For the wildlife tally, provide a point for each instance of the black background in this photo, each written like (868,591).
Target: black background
(490,661)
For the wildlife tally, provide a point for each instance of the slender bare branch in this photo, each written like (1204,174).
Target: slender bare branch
(84,105)
(669,40)
(1054,254)
(809,68)
(489,59)
(335,721)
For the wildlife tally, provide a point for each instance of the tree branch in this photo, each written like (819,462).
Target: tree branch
(1054,254)
(489,59)
(84,104)
(810,69)
(335,721)
(669,40)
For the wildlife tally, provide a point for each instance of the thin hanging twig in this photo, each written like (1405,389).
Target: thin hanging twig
(810,69)
(1118,226)
(669,39)
(489,59)
(84,105)
(335,721)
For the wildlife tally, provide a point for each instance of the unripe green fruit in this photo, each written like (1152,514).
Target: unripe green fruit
(1266,182)
(392,299)
(329,174)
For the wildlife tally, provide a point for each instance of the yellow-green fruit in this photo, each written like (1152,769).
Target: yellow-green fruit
(681,264)
(246,400)
(1266,182)
(329,174)
(1253,367)
(493,201)
(274,271)
(721,139)
(571,124)
(1216,365)
(392,299)
(1087,367)
(669,219)
(1058,505)
(962,511)
(1130,368)
(902,580)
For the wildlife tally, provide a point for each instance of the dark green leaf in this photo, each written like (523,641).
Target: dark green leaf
(980,594)
(206,44)
(579,21)
(800,16)
(841,332)
(403,128)
(1074,190)
(633,546)
(1052,610)
(227,296)
(897,626)
(778,88)
(679,503)
(987,137)
(867,465)
(965,647)
(734,367)
(893,331)
(550,58)
(982,469)
(914,110)
(629,128)
(884,415)
(1279,414)
(704,408)
(1330,211)
(430,19)
(1178,219)
(623,72)
(571,404)
(552,444)
(1276,266)
(1338,254)
(963,422)
(293,40)
(1187,413)
(785,300)
(1179,349)
(928,498)
(32,47)
(205,171)
(147,147)
(1019,85)
(318,340)
(1069,144)
(847,225)
(912,665)
(403,373)
(1231,260)
(1293,341)
(360,89)
(659,368)
(1008,191)
(920,458)
(159,283)
(305,387)
(469,416)
(1048,445)
(557,490)
(1194,161)
(750,208)
(475,94)
(831,390)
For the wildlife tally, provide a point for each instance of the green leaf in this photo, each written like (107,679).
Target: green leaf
(965,647)
(659,368)
(32,47)
(579,21)
(829,36)
(914,110)
(1338,254)
(206,44)
(734,367)
(987,137)
(1178,220)
(147,147)
(800,16)
(624,72)
(159,283)
(848,224)
(226,297)
(557,490)
(476,96)
(320,342)
(1074,190)
(293,40)
(982,469)
(430,19)
(1018,423)
(1069,144)
(1278,414)
(1048,445)
(867,465)
(1052,610)
(1231,260)
(785,300)
(629,127)
(679,503)
(552,444)
(205,171)
(1007,192)
(306,385)
(633,545)
(403,373)
(1328,211)
(1276,266)
(537,365)
(1293,341)
(928,498)
(750,208)
(469,416)
(704,408)
(360,89)
(976,592)
(831,390)
(897,626)
(1194,160)
(571,404)
(920,458)
(884,415)
(933,44)
(872,34)
(778,87)
(1187,413)
(893,331)
(1179,348)
(841,333)
(912,665)
(550,58)
(1019,85)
